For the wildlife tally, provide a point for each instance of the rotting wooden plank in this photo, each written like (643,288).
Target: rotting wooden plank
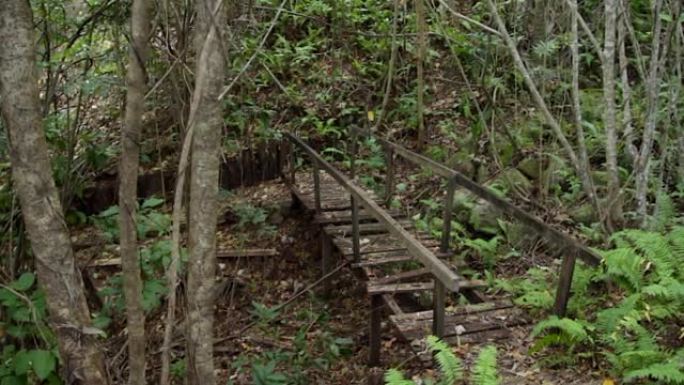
(408,287)
(440,270)
(344,217)
(402,276)
(242,253)
(458,310)
(395,288)
(464,324)
(365,228)
(383,260)
(376,243)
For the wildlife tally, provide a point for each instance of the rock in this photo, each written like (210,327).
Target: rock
(583,213)
(555,172)
(531,167)
(484,217)
(513,179)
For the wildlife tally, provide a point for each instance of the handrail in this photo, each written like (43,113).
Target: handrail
(542,229)
(437,267)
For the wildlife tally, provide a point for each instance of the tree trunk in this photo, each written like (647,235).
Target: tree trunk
(577,109)
(643,161)
(610,114)
(128,192)
(421,28)
(82,360)
(206,141)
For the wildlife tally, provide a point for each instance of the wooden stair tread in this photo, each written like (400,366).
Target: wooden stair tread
(373,288)
(344,216)
(364,228)
(461,322)
(378,243)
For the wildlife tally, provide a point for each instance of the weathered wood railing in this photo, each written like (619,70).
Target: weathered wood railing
(570,247)
(444,276)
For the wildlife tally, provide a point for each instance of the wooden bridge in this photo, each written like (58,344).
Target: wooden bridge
(398,261)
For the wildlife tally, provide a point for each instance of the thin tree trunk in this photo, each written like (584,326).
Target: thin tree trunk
(128,191)
(583,173)
(203,198)
(82,360)
(610,114)
(422,42)
(390,67)
(577,108)
(627,126)
(643,161)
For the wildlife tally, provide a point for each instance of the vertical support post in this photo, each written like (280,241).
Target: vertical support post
(438,304)
(326,259)
(446,226)
(567,270)
(389,179)
(317,185)
(375,330)
(293,163)
(356,237)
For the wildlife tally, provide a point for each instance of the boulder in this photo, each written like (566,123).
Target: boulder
(531,167)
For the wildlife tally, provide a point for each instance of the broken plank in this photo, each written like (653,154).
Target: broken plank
(242,253)
(373,288)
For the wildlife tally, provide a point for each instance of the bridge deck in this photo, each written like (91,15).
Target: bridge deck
(398,278)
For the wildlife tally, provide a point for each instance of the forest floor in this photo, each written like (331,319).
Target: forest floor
(315,339)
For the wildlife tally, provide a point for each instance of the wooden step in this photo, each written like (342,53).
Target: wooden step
(394,288)
(365,228)
(475,321)
(394,256)
(344,217)
(379,243)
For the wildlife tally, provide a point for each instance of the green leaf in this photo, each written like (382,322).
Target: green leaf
(152,202)
(24,282)
(22,363)
(44,363)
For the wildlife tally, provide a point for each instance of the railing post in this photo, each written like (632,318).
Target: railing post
(375,330)
(567,270)
(438,305)
(389,179)
(317,185)
(356,237)
(293,163)
(446,226)
(439,294)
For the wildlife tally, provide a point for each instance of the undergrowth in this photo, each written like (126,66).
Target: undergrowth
(626,314)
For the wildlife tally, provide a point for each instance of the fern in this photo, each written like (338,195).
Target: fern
(575,330)
(667,373)
(450,366)
(485,370)
(395,377)
(624,266)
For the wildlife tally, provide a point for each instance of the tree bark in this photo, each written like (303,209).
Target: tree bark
(577,108)
(627,126)
(82,360)
(583,173)
(128,191)
(203,197)
(643,161)
(421,28)
(610,114)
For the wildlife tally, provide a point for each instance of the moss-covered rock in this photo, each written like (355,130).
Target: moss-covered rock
(583,213)
(531,167)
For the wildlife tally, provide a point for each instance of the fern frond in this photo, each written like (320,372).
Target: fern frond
(395,377)
(450,366)
(667,373)
(624,265)
(575,330)
(485,369)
